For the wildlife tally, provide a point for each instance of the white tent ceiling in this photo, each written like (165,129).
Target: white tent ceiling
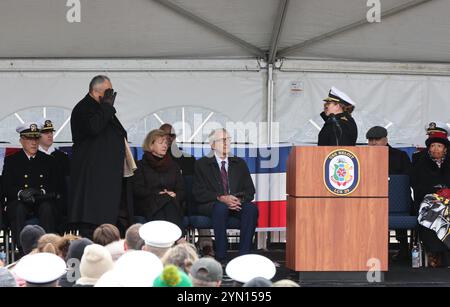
(416,32)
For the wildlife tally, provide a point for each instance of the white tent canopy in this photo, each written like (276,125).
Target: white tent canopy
(415,30)
(173,59)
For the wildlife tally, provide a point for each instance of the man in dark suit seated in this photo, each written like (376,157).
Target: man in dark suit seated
(399,164)
(30,183)
(223,187)
(184,160)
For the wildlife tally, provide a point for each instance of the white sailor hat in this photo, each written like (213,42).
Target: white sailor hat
(247,267)
(160,234)
(40,268)
(437,126)
(133,269)
(336,95)
(30,129)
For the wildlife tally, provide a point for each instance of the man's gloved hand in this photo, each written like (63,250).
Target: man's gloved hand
(28,195)
(108,97)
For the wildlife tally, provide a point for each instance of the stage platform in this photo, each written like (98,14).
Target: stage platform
(400,274)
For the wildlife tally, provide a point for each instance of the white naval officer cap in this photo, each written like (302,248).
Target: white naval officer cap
(160,234)
(336,95)
(40,268)
(245,268)
(29,129)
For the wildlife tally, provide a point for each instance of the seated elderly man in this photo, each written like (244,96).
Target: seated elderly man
(223,187)
(399,164)
(30,183)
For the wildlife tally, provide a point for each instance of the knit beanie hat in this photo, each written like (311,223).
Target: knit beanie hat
(76,248)
(172,277)
(29,237)
(95,261)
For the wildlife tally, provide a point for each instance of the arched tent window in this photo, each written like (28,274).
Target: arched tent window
(192,124)
(59,116)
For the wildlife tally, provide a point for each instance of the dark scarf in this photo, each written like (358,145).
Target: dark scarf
(160,165)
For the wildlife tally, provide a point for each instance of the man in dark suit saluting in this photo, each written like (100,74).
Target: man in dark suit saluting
(98,155)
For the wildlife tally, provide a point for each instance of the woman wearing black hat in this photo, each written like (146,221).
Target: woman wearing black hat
(430,173)
(339,128)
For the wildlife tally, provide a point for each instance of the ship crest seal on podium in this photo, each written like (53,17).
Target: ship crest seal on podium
(341,172)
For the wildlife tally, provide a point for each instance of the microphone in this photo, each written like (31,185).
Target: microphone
(333,118)
(336,123)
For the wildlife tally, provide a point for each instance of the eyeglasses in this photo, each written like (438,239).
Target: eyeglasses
(224,140)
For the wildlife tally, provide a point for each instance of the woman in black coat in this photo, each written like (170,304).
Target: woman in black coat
(158,185)
(339,128)
(431,172)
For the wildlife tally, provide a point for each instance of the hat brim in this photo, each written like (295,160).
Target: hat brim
(33,135)
(47,130)
(331,99)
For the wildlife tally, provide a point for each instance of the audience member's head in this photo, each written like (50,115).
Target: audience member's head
(206,272)
(116,249)
(95,261)
(49,243)
(76,248)
(258,282)
(285,283)
(133,240)
(7,279)
(182,255)
(172,277)
(29,237)
(40,269)
(105,234)
(159,236)
(64,244)
(133,269)
(244,268)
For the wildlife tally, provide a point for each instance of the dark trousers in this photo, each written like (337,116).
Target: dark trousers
(402,237)
(248,216)
(19,213)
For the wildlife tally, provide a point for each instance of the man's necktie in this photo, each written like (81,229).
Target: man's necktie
(224,176)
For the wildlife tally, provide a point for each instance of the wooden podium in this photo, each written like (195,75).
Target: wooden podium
(330,230)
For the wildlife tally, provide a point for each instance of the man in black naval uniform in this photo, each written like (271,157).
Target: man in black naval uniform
(63,165)
(46,146)
(30,183)
(399,164)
